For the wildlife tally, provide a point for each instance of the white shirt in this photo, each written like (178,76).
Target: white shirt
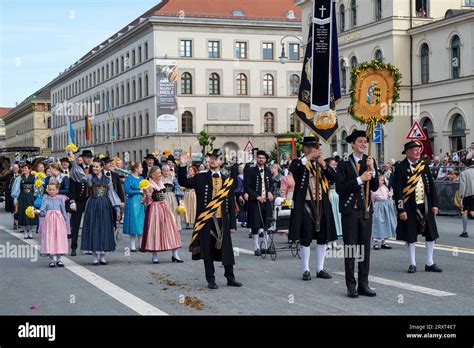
(359,180)
(215,172)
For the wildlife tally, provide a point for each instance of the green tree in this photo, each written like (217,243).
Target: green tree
(206,139)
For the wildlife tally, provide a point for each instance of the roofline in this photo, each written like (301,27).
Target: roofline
(441,22)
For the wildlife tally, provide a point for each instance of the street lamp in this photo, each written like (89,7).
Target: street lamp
(283,58)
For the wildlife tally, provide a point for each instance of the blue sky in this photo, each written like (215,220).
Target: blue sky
(40,38)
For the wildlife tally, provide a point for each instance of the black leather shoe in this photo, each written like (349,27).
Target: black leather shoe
(52,264)
(60,264)
(352,292)
(412,269)
(306,275)
(73,252)
(212,285)
(269,251)
(323,274)
(233,282)
(433,268)
(258,252)
(376,247)
(464,235)
(385,246)
(95,264)
(174,259)
(104,263)
(366,291)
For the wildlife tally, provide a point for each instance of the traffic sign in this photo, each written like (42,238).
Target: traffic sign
(249,147)
(416,132)
(377,134)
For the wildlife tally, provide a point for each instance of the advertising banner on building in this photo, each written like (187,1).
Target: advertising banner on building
(166,77)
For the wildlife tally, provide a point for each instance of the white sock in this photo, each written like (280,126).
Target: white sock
(154,257)
(30,233)
(25,233)
(255,242)
(58,258)
(320,255)
(429,253)
(94,258)
(175,254)
(132,242)
(102,257)
(411,253)
(305,253)
(51,258)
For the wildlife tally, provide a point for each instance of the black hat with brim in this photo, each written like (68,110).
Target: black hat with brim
(107,159)
(263,153)
(356,134)
(65,159)
(87,153)
(215,153)
(310,140)
(150,156)
(410,145)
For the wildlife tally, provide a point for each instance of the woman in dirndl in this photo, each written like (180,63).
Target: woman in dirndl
(190,200)
(160,232)
(384,221)
(173,194)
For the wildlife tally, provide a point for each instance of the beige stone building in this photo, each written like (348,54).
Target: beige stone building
(230,81)
(440,90)
(29,123)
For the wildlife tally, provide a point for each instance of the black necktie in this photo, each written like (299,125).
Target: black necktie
(107,173)
(261,170)
(215,176)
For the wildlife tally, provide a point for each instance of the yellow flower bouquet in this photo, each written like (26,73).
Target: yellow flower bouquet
(181,209)
(40,176)
(287,203)
(38,183)
(144,184)
(71,147)
(30,212)
(34,173)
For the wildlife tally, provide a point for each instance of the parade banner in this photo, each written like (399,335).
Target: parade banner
(166,77)
(320,85)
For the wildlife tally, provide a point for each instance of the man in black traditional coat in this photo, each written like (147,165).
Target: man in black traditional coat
(211,239)
(311,216)
(417,204)
(258,184)
(353,176)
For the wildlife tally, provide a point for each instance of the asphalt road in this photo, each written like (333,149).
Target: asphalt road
(132,285)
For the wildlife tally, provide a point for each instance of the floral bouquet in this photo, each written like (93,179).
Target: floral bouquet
(30,212)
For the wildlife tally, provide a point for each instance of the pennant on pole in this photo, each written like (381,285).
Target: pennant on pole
(72,137)
(88,128)
(320,85)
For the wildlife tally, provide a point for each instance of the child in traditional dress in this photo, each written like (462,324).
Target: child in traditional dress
(385,217)
(160,232)
(54,231)
(134,208)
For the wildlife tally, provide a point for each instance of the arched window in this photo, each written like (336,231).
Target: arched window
(269,123)
(117,97)
(294,84)
(427,126)
(241,84)
(295,123)
(128,128)
(354,13)
(214,84)
(456,56)
(186,83)
(124,134)
(458,135)
(112,99)
(344,146)
(140,126)
(425,64)
(128,92)
(146,86)
(354,62)
(379,56)
(134,126)
(147,121)
(268,85)
(333,145)
(108,131)
(378,10)
(187,122)
(140,88)
(123,94)
(342,18)
(103,133)
(134,90)
(343,77)
(117,134)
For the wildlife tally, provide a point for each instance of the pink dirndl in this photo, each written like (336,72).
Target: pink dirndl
(160,232)
(54,234)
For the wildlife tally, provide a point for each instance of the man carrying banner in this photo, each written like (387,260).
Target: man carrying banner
(215,217)
(417,204)
(311,216)
(353,174)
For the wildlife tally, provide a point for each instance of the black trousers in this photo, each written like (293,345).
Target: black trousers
(76,218)
(210,270)
(356,233)
(308,227)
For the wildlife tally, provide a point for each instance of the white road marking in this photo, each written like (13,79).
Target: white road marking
(406,286)
(131,301)
(452,249)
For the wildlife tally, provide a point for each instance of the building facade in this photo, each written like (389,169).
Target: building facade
(29,123)
(3,112)
(230,81)
(394,32)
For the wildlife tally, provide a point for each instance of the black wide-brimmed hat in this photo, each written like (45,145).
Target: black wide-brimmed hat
(107,159)
(87,153)
(263,153)
(215,153)
(25,163)
(410,145)
(171,158)
(149,156)
(65,159)
(310,140)
(356,134)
